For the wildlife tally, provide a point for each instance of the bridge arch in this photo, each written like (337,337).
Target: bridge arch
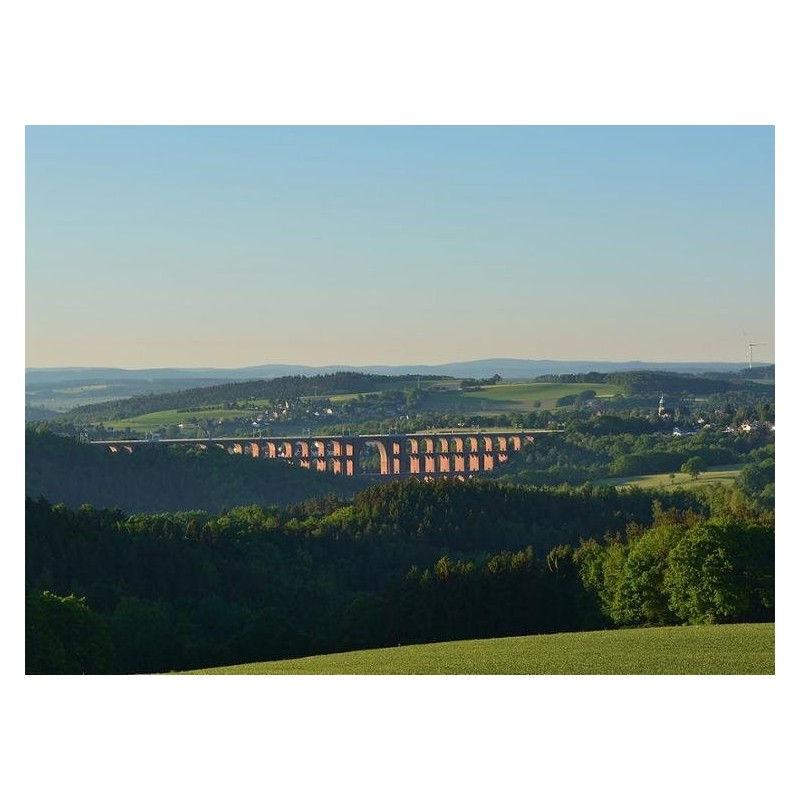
(458,454)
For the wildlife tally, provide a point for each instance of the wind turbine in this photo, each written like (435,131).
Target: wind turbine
(750,347)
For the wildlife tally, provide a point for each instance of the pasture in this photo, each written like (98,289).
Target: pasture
(746,649)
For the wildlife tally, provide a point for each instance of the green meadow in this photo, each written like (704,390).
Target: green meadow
(513,397)
(746,649)
(721,474)
(149,422)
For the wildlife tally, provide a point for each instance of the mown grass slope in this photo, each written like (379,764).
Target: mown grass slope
(747,649)
(520,397)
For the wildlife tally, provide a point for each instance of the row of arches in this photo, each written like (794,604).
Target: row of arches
(429,454)
(408,454)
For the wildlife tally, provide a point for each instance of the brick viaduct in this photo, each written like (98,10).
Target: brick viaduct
(432,454)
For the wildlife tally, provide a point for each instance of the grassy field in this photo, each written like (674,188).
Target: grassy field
(150,422)
(721,474)
(520,397)
(689,650)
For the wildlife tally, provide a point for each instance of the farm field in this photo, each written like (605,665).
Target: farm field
(146,423)
(746,649)
(520,397)
(721,474)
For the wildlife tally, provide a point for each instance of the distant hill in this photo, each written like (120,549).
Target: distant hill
(60,389)
(483,368)
(509,368)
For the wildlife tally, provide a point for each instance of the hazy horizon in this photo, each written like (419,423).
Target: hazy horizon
(224,247)
(741,363)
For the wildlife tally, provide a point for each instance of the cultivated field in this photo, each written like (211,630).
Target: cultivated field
(510,397)
(747,649)
(146,423)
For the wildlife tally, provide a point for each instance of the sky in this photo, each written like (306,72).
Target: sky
(237,245)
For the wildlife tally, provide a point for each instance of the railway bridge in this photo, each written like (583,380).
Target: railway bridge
(427,454)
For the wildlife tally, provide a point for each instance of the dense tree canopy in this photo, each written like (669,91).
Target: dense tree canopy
(403,562)
(684,568)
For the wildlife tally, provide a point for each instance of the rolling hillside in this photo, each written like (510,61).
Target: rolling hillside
(60,389)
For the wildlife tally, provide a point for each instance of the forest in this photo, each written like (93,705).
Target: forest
(402,562)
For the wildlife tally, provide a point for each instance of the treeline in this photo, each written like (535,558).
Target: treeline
(402,563)
(166,478)
(653,382)
(286,387)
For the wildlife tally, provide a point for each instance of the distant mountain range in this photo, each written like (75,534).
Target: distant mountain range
(507,368)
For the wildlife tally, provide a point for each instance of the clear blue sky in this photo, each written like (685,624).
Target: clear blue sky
(237,246)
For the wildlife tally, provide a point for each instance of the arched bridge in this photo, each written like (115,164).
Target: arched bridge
(457,454)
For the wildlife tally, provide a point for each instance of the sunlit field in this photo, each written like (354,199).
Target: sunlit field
(747,649)
(722,474)
(510,397)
